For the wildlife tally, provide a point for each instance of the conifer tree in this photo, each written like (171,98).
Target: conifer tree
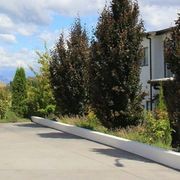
(19,93)
(115,91)
(172,89)
(58,69)
(68,71)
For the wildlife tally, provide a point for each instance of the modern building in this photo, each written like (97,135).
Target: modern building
(154,67)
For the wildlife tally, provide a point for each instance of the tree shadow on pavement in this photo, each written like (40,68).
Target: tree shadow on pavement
(60,135)
(30,125)
(120,155)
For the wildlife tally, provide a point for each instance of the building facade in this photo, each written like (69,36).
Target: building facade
(153,64)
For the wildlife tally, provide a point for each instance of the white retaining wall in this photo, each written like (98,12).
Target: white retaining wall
(168,158)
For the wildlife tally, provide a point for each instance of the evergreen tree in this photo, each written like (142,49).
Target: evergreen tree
(115,91)
(58,69)
(68,71)
(19,93)
(172,90)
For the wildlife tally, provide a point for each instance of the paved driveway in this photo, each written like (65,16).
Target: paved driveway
(32,152)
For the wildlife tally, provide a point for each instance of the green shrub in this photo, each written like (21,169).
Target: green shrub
(135,133)
(158,128)
(4,101)
(48,111)
(91,122)
(157,124)
(11,116)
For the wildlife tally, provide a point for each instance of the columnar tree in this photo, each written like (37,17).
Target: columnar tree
(19,93)
(115,91)
(172,56)
(68,71)
(40,96)
(58,69)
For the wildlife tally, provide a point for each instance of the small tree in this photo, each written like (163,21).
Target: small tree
(40,99)
(68,71)
(4,100)
(172,90)
(115,65)
(58,79)
(19,93)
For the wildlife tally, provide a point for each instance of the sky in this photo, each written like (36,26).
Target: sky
(26,24)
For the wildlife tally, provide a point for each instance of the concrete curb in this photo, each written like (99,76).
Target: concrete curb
(165,157)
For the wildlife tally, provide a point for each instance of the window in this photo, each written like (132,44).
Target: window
(144,61)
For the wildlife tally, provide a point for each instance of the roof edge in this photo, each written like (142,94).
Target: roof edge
(160,32)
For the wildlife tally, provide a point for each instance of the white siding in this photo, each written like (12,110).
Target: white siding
(157,57)
(145,73)
(157,54)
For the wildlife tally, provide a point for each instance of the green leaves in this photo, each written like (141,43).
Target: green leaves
(40,99)
(19,93)
(5,100)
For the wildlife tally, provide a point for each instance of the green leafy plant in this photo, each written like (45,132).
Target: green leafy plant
(157,124)
(19,93)
(40,99)
(5,100)
(91,122)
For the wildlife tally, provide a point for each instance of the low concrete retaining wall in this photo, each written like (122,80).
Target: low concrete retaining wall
(168,158)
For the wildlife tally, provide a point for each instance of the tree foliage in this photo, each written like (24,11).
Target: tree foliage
(5,100)
(115,92)
(157,124)
(172,90)
(40,99)
(19,93)
(68,71)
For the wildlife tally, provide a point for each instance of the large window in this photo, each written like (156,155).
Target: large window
(144,61)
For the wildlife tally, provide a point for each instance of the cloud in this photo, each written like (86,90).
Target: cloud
(25,16)
(7,26)
(162,2)
(8,38)
(5,23)
(41,11)
(51,37)
(72,8)
(159,14)
(26,29)
(31,11)
(23,57)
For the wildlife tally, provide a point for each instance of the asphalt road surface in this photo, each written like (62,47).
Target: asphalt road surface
(32,152)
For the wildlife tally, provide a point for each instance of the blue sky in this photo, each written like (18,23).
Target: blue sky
(26,24)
